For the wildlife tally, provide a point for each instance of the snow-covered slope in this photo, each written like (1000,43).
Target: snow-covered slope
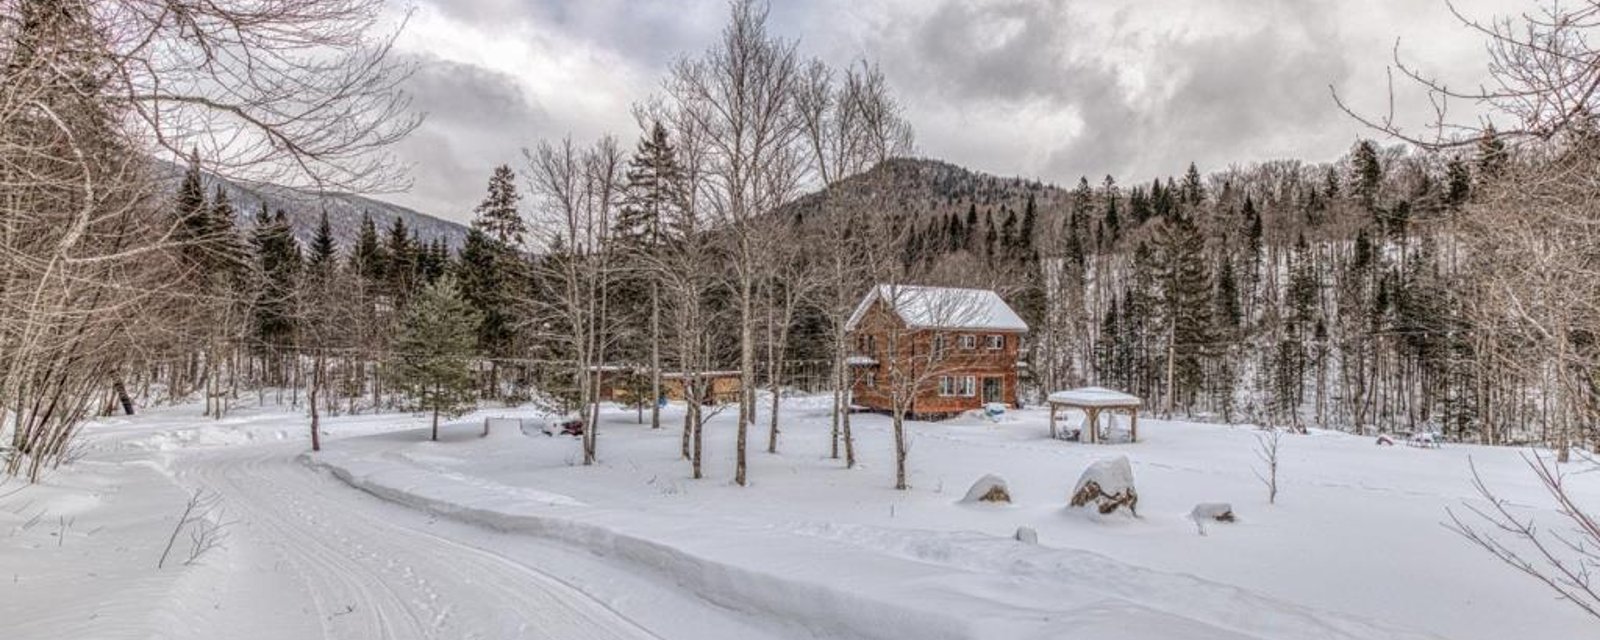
(532,544)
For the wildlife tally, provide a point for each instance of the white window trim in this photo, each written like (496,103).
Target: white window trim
(968,341)
(958,386)
(996,341)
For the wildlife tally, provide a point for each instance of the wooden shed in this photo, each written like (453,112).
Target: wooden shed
(722,386)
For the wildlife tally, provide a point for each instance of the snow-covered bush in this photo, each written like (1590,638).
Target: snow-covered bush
(990,488)
(1108,484)
(1027,535)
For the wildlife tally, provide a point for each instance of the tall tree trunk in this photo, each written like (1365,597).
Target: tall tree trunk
(655,355)
(122,396)
(436,390)
(316,415)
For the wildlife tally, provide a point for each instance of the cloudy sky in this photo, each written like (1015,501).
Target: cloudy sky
(1049,89)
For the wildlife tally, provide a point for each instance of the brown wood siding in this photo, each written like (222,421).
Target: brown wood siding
(980,362)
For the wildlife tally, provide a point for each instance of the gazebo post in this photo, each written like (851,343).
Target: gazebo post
(1133,422)
(1052,421)
(1094,424)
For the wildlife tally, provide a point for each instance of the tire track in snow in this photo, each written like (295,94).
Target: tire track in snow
(371,574)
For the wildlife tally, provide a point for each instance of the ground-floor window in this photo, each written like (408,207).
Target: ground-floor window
(963,386)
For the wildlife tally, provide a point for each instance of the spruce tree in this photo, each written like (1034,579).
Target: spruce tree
(497,215)
(369,258)
(277,271)
(1194,192)
(1186,302)
(432,356)
(400,272)
(1111,219)
(323,246)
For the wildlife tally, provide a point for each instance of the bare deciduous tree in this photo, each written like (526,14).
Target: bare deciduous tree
(740,94)
(295,91)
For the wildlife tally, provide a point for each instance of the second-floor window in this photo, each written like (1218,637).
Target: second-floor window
(938,344)
(995,342)
(969,342)
(867,345)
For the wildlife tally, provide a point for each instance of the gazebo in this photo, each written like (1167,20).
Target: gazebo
(1093,400)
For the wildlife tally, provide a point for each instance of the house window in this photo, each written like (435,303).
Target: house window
(964,386)
(938,344)
(872,379)
(996,342)
(969,342)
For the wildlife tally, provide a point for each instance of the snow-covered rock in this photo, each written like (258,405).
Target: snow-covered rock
(1027,535)
(1108,484)
(990,488)
(1219,511)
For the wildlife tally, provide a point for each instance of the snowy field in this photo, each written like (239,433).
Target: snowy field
(507,536)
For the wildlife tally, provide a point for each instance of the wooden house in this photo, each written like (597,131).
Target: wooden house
(941,350)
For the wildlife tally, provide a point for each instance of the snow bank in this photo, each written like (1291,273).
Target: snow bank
(787,589)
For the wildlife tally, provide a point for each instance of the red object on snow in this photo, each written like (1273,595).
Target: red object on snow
(573,427)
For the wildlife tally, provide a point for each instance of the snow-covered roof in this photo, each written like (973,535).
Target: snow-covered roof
(942,308)
(1094,397)
(860,361)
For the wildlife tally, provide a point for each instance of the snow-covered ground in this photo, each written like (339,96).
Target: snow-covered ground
(533,544)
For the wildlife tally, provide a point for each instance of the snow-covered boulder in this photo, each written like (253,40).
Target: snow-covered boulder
(1107,484)
(990,488)
(1218,511)
(1027,535)
(1424,440)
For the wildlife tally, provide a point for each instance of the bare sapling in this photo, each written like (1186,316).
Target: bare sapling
(202,517)
(1267,442)
(1561,557)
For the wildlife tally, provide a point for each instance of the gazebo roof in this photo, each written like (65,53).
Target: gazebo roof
(1094,397)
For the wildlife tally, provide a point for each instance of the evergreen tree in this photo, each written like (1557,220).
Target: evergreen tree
(1030,221)
(432,357)
(369,258)
(1139,206)
(1112,220)
(323,246)
(991,237)
(277,270)
(969,231)
(1366,175)
(1228,315)
(400,272)
(1186,301)
(654,191)
(1194,192)
(497,215)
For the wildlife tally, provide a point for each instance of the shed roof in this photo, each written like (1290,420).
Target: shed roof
(1094,397)
(942,308)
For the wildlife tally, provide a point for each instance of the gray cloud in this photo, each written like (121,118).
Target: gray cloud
(476,118)
(1052,89)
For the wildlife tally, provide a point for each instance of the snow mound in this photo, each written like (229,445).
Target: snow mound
(1026,535)
(1107,484)
(1219,511)
(990,488)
